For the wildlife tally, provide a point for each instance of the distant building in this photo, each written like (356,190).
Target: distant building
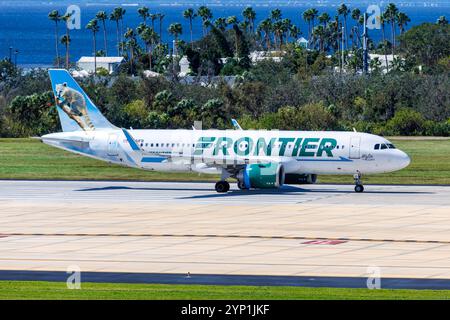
(109,63)
(256,56)
(382,61)
(184,66)
(302,42)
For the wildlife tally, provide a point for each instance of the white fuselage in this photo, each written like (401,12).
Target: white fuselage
(207,151)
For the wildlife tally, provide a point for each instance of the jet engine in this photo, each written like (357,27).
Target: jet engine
(261,176)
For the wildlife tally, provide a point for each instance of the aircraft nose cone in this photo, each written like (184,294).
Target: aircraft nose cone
(405,160)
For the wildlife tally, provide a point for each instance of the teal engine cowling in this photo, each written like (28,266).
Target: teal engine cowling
(262,176)
(295,178)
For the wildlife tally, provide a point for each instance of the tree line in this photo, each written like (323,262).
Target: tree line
(299,91)
(144,48)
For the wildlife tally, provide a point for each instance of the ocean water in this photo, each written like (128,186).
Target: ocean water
(26,27)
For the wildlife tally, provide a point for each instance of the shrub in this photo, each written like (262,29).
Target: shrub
(406,122)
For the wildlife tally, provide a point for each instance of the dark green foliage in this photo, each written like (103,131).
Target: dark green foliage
(426,44)
(31,115)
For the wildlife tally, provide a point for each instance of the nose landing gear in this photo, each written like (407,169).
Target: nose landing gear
(358,183)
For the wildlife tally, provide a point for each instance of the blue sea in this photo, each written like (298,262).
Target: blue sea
(24,25)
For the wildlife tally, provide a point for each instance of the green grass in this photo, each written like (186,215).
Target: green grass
(58,290)
(31,159)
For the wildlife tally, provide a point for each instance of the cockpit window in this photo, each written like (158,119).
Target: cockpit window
(377,146)
(390,146)
(383,146)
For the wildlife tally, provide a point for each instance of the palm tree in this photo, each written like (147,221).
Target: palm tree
(275,14)
(244,25)
(150,37)
(161,18)
(294,32)
(153,18)
(206,15)
(131,44)
(66,38)
(117,16)
(266,27)
(221,24)
(314,14)
(93,26)
(382,20)
(402,21)
(55,17)
(175,29)
(278,30)
(286,25)
(319,35)
(343,10)
(390,14)
(234,21)
(307,16)
(324,18)
(335,33)
(250,15)
(144,13)
(102,16)
(356,14)
(190,15)
(442,21)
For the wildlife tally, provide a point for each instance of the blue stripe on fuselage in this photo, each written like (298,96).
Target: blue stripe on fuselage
(153,159)
(341,159)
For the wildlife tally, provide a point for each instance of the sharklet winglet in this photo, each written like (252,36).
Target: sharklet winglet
(134,145)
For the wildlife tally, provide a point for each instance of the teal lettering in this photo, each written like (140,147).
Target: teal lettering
(202,144)
(267,148)
(307,145)
(297,146)
(327,144)
(222,147)
(246,151)
(284,143)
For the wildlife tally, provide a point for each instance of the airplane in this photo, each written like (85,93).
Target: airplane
(256,159)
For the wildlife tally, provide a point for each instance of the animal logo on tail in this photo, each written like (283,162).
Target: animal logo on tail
(73,104)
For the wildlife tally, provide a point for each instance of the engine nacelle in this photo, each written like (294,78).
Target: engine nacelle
(294,178)
(262,176)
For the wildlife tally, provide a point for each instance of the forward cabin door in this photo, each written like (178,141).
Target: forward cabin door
(355,147)
(112,145)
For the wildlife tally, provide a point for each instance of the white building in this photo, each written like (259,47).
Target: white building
(302,42)
(389,58)
(109,63)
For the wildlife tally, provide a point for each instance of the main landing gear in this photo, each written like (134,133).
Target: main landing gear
(358,183)
(222,186)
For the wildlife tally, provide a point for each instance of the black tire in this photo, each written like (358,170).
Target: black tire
(241,185)
(222,187)
(359,188)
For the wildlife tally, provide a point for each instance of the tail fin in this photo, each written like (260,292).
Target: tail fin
(76,111)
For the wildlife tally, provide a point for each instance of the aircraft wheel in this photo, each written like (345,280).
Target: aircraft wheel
(241,185)
(359,188)
(222,186)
